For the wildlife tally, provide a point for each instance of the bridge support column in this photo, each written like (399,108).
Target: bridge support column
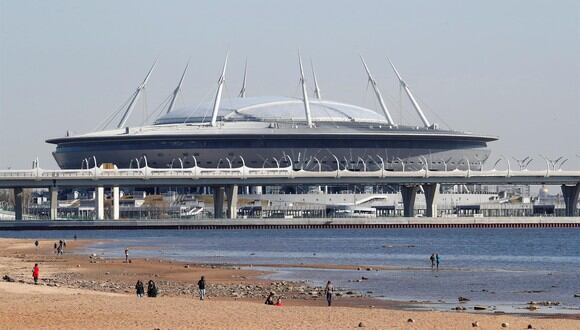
(570,194)
(409,193)
(53,191)
(232,196)
(100,203)
(18,203)
(115,193)
(218,202)
(431,191)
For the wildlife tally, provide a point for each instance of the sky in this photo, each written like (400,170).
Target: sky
(505,68)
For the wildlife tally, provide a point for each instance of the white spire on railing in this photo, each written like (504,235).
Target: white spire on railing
(316,88)
(304,93)
(135,98)
(411,97)
(243,90)
(218,95)
(177,90)
(378,94)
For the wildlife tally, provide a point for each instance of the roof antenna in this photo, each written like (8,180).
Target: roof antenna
(316,88)
(135,97)
(218,95)
(378,94)
(177,90)
(243,90)
(412,98)
(304,92)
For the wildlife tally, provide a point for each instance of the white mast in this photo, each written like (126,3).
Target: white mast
(218,95)
(316,88)
(135,97)
(304,93)
(243,90)
(177,90)
(378,94)
(411,97)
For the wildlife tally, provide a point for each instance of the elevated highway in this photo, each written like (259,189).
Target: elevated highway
(226,180)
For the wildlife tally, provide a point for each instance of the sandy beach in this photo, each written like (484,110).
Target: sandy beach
(79,292)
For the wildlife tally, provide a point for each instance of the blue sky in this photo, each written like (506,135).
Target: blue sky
(504,68)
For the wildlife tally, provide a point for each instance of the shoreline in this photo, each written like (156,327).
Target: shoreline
(296,223)
(111,278)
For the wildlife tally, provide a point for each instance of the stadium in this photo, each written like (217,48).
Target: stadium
(310,133)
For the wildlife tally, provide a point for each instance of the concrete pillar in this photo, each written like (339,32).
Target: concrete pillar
(18,203)
(431,191)
(218,202)
(409,193)
(232,196)
(116,203)
(570,194)
(53,203)
(100,203)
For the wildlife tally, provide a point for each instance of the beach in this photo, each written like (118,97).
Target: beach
(82,291)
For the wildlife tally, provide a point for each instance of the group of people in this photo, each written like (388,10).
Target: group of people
(434,260)
(152,290)
(328,293)
(59,247)
(270,300)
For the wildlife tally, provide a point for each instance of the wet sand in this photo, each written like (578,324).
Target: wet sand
(81,292)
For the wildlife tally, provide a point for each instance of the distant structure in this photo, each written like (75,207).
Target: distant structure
(274,131)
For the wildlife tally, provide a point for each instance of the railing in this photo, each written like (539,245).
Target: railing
(282,172)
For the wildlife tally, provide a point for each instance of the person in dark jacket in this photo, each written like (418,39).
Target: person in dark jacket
(151,289)
(140,289)
(270,299)
(201,287)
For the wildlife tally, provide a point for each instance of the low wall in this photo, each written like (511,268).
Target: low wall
(492,222)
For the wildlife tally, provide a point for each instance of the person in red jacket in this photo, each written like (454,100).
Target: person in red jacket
(35,273)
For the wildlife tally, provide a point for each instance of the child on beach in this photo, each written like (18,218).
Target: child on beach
(140,289)
(279,302)
(126,255)
(201,287)
(35,273)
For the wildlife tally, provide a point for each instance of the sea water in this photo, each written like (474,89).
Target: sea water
(501,267)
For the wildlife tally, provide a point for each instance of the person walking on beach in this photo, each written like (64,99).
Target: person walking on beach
(328,292)
(126,255)
(35,273)
(432,258)
(36,245)
(201,287)
(140,289)
(437,260)
(55,249)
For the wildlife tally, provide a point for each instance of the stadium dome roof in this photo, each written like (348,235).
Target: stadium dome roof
(273,109)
